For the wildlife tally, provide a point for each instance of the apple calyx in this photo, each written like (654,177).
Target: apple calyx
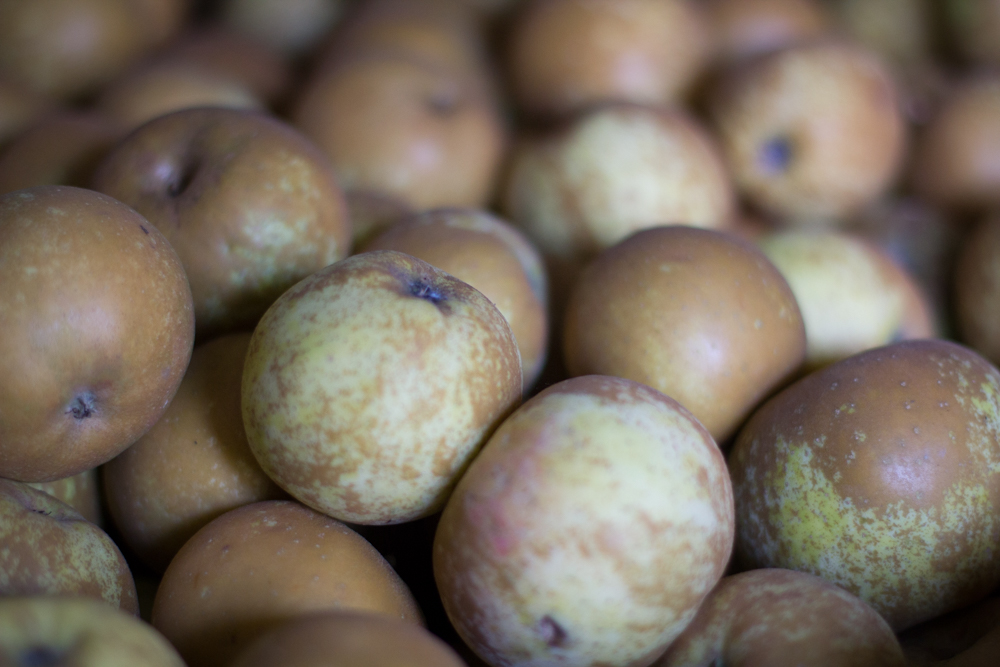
(776,155)
(83,405)
(552,633)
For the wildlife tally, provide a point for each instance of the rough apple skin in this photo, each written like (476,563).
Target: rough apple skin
(78,632)
(193,465)
(370,385)
(348,639)
(50,549)
(492,256)
(881,474)
(263,564)
(99,327)
(587,531)
(783,618)
(248,202)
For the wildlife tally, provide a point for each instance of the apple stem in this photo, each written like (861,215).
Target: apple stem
(423,290)
(83,405)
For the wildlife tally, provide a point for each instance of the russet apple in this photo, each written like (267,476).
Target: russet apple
(250,205)
(261,565)
(50,549)
(370,386)
(57,631)
(193,465)
(881,474)
(98,330)
(783,618)
(588,530)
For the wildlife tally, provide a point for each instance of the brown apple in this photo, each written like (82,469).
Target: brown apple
(68,48)
(193,465)
(347,639)
(881,474)
(261,565)
(293,27)
(50,549)
(812,131)
(61,149)
(783,618)
(955,157)
(81,492)
(98,330)
(699,315)
(398,127)
(491,255)
(565,56)
(159,88)
(250,205)
(41,631)
(371,385)
(745,28)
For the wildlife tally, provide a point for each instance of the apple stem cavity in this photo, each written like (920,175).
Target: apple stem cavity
(182,180)
(83,405)
(39,656)
(776,155)
(553,633)
(424,290)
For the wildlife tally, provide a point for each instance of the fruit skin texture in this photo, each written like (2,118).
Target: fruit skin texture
(98,330)
(588,529)
(783,618)
(369,386)
(78,632)
(50,549)
(248,202)
(700,315)
(881,474)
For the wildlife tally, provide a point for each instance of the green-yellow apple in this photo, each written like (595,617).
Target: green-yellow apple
(193,465)
(784,618)
(347,639)
(249,203)
(64,631)
(370,386)
(98,330)
(881,474)
(50,549)
(588,530)
(565,56)
(263,564)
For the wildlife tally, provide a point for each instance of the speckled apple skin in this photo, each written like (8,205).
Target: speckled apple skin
(783,618)
(881,474)
(587,531)
(48,548)
(369,386)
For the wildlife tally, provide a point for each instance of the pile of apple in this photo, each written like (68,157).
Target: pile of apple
(499,332)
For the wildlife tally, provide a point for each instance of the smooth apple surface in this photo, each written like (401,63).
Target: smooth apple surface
(370,386)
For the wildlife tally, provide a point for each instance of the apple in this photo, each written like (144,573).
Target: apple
(50,549)
(742,29)
(250,205)
(968,637)
(813,131)
(294,27)
(783,618)
(881,474)
(491,255)
(697,314)
(260,565)
(193,465)
(98,330)
(81,492)
(588,531)
(156,89)
(852,295)
(566,56)
(370,386)
(347,639)
(69,48)
(40,631)
(63,148)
